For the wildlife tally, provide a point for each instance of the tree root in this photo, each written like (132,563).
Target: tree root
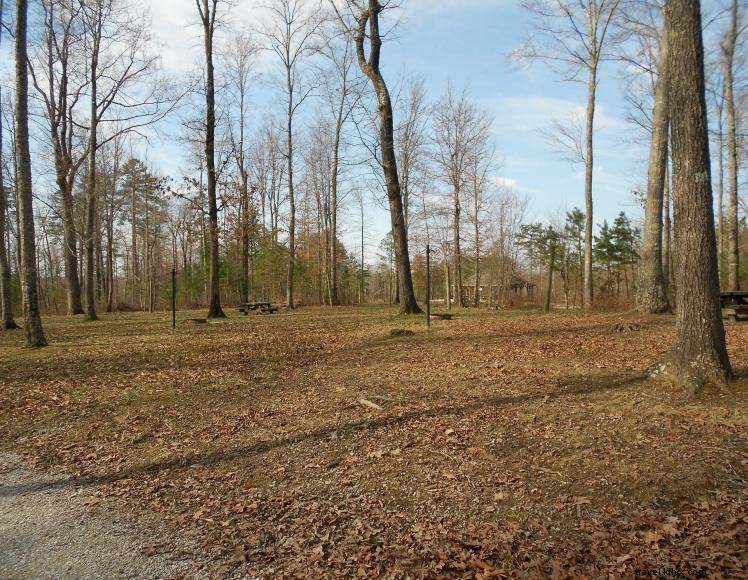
(692,379)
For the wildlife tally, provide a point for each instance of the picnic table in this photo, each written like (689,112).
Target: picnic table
(734,305)
(260,307)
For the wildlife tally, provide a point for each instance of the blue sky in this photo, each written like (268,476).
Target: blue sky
(467,43)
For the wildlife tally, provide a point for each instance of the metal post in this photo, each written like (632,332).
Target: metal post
(173,298)
(428,285)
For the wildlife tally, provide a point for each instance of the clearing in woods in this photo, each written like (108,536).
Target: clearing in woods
(315,442)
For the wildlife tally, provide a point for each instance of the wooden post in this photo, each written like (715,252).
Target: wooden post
(428,285)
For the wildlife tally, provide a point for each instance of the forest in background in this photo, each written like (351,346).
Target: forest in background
(114,221)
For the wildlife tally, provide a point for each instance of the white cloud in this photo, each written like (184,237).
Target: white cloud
(504,182)
(522,113)
(178,33)
(442,6)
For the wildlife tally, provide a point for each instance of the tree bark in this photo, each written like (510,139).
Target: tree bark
(447,284)
(29,282)
(334,299)
(733,248)
(135,267)
(667,261)
(651,295)
(291,195)
(588,167)
(110,232)
(6,289)
(456,251)
(207,9)
(698,354)
(549,291)
(244,193)
(96,26)
(476,297)
(370,68)
(59,111)
(720,146)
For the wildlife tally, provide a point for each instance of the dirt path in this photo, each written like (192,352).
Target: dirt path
(49,531)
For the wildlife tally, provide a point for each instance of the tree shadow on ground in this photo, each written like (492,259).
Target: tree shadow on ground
(569,387)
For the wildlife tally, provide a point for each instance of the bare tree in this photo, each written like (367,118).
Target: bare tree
(29,282)
(6,302)
(241,54)
(572,39)
(7,321)
(366,15)
(95,15)
(342,93)
(481,162)
(460,138)
(208,13)
(59,78)
(412,141)
(291,36)
(115,42)
(717,102)
(698,354)
(733,246)
(113,204)
(651,296)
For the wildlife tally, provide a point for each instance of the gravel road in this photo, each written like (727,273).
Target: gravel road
(58,531)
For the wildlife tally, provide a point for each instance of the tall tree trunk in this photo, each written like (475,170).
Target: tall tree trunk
(26,235)
(147,271)
(91,175)
(110,263)
(100,273)
(6,288)
(456,252)
(370,67)
(490,283)
(476,297)
(698,354)
(244,189)
(207,9)
(291,197)
(667,236)
(70,251)
(61,129)
(110,234)
(447,283)
(549,291)
(733,248)
(244,192)
(134,248)
(651,295)
(362,295)
(334,299)
(588,167)
(720,146)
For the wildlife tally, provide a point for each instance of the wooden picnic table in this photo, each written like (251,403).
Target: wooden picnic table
(734,305)
(261,307)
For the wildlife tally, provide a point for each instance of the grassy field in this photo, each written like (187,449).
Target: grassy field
(505,442)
